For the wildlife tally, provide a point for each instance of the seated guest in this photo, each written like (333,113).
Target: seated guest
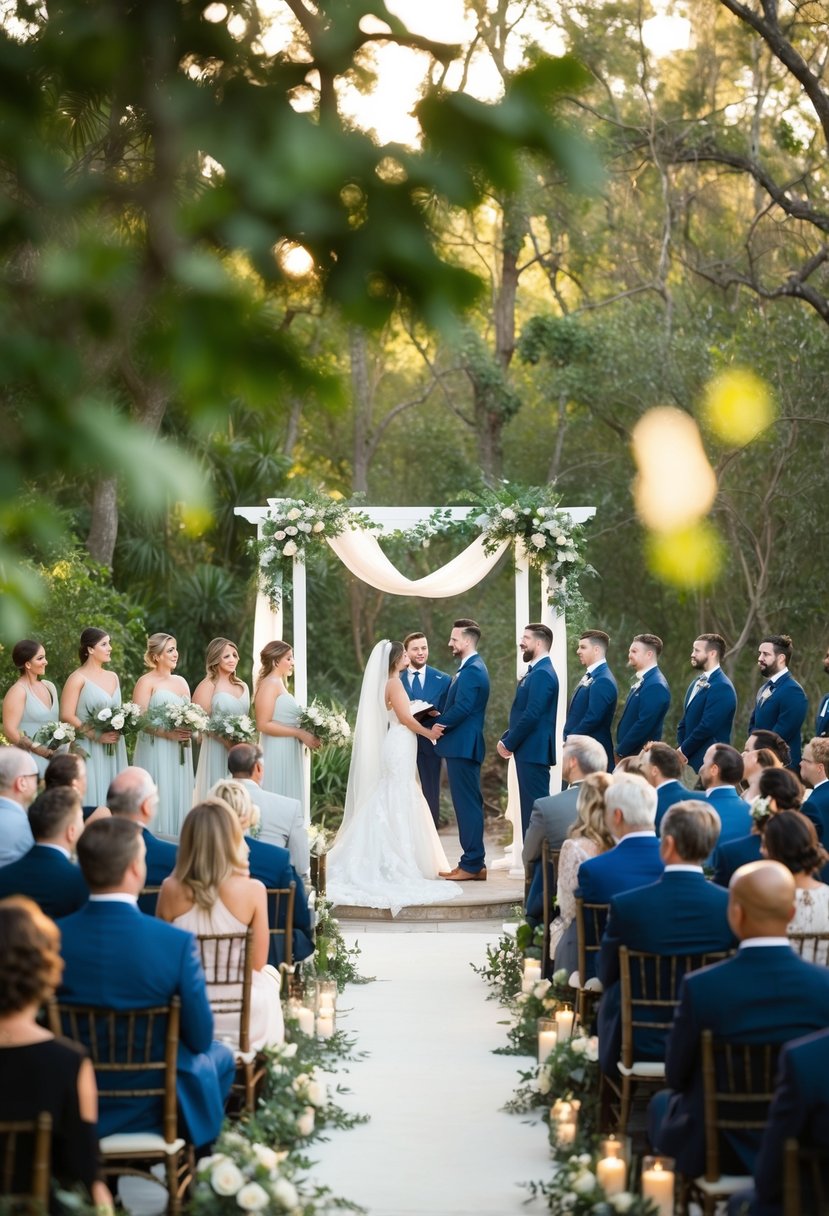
(210,891)
(18,786)
(766,993)
(38,1072)
(631,764)
(721,772)
(116,958)
(779,790)
(133,794)
(587,838)
(791,839)
(46,873)
(69,769)
(681,913)
(271,865)
(813,768)
(663,769)
(630,811)
(281,819)
(756,757)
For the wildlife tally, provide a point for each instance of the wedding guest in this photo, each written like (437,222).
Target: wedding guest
(425,683)
(281,819)
(781,703)
(210,891)
(720,773)
(586,838)
(662,767)
(134,795)
(68,770)
(165,751)
(779,790)
(530,737)
(38,1072)
(710,702)
(648,700)
(755,759)
(117,958)
(593,703)
(631,764)
(46,873)
(277,720)
(220,692)
(89,691)
(18,787)
(822,715)
(30,703)
(790,838)
(813,769)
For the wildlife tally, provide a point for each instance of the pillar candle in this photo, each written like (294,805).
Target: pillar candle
(611,1173)
(658,1185)
(564,1022)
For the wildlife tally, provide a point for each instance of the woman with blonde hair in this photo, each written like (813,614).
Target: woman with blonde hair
(210,891)
(587,838)
(277,720)
(167,755)
(220,692)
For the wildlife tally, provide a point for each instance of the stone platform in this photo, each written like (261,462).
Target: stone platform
(492,900)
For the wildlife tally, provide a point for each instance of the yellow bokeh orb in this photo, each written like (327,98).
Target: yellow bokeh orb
(689,557)
(738,406)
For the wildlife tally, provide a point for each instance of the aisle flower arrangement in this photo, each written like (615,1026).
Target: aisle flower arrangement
(575,1190)
(333,957)
(503,970)
(330,725)
(541,1001)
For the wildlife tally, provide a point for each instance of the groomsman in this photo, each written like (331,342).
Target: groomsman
(822,716)
(648,700)
(710,702)
(593,704)
(531,735)
(424,683)
(781,702)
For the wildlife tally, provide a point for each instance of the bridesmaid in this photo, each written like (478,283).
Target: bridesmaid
(221,691)
(90,689)
(160,751)
(30,703)
(277,717)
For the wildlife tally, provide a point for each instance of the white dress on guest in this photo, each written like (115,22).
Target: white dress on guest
(811,915)
(573,853)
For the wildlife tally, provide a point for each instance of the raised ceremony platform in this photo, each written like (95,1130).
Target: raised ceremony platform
(492,900)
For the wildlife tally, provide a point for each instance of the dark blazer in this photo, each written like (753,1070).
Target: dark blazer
(708,718)
(161,861)
(733,854)
(435,687)
(734,813)
(822,717)
(531,735)
(463,713)
(118,958)
(681,913)
(669,795)
(816,808)
(592,707)
(763,994)
(47,877)
(644,714)
(271,864)
(634,862)
(784,711)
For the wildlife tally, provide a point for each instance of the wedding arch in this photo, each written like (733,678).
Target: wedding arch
(354,540)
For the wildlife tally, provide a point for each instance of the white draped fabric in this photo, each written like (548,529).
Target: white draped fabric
(361,553)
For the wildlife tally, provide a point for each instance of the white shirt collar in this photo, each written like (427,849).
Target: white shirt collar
(640,675)
(704,675)
(464,659)
(44,844)
(115,897)
(632,835)
(723,786)
(777,675)
(593,666)
(818,784)
(667,781)
(681,868)
(765,941)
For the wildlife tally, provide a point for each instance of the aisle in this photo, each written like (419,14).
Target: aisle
(437,1141)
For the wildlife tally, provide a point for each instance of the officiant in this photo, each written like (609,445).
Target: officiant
(424,683)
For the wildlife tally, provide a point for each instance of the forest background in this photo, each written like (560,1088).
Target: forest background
(219,286)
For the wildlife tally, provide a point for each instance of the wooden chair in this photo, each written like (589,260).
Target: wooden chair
(40,1130)
(319,871)
(590,923)
(281,901)
(228,969)
(121,1042)
(814,947)
(148,899)
(549,874)
(804,1165)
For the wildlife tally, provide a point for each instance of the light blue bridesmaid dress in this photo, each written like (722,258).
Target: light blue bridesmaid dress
(35,715)
(282,755)
(171,767)
(100,766)
(213,754)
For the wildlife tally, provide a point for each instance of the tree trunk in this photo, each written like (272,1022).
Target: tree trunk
(103,530)
(361,404)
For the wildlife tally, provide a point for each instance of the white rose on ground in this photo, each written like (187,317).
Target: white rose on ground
(541,989)
(305,1121)
(285,1194)
(253,1197)
(319,526)
(584,1182)
(620,1202)
(206,1164)
(592,1049)
(289,550)
(265,1156)
(316,1093)
(294,513)
(539,540)
(226,1178)
(543,1081)
(522,998)
(287,1051)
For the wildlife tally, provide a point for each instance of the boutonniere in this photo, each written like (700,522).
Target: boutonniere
(703,682)
(766,693)
(585,681)
(636,683)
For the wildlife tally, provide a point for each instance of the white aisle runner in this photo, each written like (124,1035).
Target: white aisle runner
(437,1142)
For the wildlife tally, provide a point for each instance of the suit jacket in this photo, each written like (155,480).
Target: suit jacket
(681,913)
(734,813)
(669,794)
(816,807)
(161,861)
(765,994)
(282,823)
(733,854)
(644,714)
(784,711)
(15,834)
(47,877)
(634,862)
(435,687)
(707,718)
(272,866)
(531,735)
(822,717)
(463,713)
(117,958)
(551,819)
(592,708)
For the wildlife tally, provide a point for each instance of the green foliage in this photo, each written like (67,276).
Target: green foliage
(329,781)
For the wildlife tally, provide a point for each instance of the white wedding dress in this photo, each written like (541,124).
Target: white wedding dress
(387,853)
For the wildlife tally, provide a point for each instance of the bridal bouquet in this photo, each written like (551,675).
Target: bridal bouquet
(236,728)
(177,715)
(54,735)
(327,723)
(124,720)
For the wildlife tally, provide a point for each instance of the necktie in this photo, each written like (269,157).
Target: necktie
(417,687)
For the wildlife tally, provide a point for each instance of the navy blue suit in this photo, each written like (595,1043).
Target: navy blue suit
(47,877)
(681,913)
(669,794)
(765,994)
(435,686)
(592,707)
(463,747)
(271,864)
(708,718)
(816,807)
(784,711)
(734,813)
(733,854)
(117,958)
(531,735)
(822,717)
(161,861)
(644,714)
(634,862)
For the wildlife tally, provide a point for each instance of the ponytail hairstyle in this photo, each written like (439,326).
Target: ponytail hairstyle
(269,656)
(155,647)
(89,638)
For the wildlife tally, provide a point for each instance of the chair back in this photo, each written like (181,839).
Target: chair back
(738,1086)
(549,872)
(805,1180)
(281,902)
(813,947)
(128,1042)
(228,967)
(40,1131)
(649,993)
(148,899)
(590,922)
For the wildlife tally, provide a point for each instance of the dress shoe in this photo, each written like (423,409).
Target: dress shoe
(459,875)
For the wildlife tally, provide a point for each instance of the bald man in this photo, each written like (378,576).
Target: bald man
(766,993)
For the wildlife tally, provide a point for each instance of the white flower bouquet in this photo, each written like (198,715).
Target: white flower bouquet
(328,724)
(124,720)
(177,715)
(235,728)
(54,735)
(244,1175)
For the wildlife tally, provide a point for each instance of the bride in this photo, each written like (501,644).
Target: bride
(387,853)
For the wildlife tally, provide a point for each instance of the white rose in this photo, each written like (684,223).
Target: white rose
(305,1121)
(538,540)
(304,527)
(290,531)
(542,511)
(584,1182)
(206,1164)
(285,1194)
(543,1081)
(507,513)
(579,1045)
(526,511)
(541,989)
(265,1156)
(280,535)
(104,715)
(117,722)
(289,550)
(621,1201)
(522,998)
(319,526)
(226,1178)
(287,1051)
(316,1093)
(253,1197)
(294,513)
(591,1051)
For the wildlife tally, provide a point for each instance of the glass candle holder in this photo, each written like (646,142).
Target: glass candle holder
(326,995)
(565,1019)
(547,1037)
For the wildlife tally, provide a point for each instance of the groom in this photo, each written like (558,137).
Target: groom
(462,744)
